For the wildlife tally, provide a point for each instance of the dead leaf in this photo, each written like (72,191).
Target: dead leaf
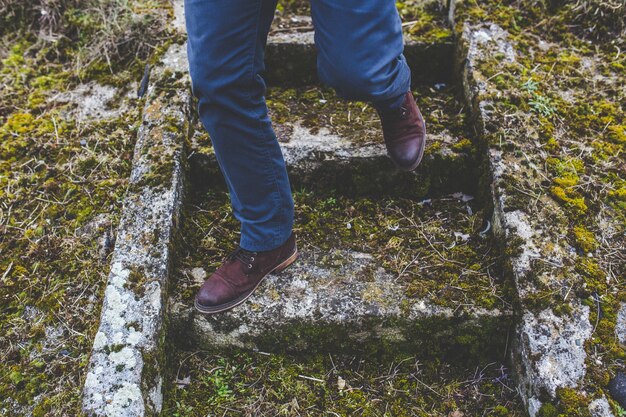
(183,382)
(341,383)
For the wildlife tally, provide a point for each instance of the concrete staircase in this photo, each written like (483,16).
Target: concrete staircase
(426,264)
(391,262)
(387,258)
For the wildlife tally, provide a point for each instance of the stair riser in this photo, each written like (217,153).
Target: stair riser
(294,64)
(458,340)
(438,174)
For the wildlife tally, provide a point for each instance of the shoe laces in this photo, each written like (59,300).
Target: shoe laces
(403,112)
(244,256)
(390,124)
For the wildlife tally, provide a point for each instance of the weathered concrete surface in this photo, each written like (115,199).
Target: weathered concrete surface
(343,301)
(124,376)
(549,346)
(291,59)
(91,101)
(600,408)
(620,328)
(552,347)
(324,161)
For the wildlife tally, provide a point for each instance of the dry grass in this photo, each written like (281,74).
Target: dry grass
(259,384)
(114,32)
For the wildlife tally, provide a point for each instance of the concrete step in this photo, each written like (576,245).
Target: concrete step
(332,144)
(291,55)
(555,353)
(373,276)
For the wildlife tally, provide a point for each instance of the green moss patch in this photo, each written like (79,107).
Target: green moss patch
(424,21)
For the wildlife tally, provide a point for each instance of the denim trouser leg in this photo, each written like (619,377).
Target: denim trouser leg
(359,44)
(226,39)
(359,54)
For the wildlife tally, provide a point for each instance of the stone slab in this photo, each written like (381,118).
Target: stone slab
(326,161)
(124,377)
(347,305)
(549,346)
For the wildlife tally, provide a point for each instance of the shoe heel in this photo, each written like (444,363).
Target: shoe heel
(287,262)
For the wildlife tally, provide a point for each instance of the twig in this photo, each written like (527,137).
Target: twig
(310,378)
(7,271)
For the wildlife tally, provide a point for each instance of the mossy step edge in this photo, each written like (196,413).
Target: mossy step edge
(125,372)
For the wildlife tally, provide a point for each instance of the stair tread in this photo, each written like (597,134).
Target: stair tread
(390,262)
(312,120)
(422,21)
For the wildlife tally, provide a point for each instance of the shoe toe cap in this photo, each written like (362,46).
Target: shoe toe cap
(210,294)
(207,300)
(406,158)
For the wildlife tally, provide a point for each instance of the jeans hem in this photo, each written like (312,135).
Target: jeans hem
(252,246)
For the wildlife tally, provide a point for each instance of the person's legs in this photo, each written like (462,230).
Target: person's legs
(360,48)
(226,41)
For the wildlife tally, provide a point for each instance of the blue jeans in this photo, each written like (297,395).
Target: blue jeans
(359,45)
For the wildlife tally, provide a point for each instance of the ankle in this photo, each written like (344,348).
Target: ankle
(390,106)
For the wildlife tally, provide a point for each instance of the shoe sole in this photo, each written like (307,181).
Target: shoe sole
(232,304)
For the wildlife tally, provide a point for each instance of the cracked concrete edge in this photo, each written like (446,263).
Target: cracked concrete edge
(548,352)
(125,371)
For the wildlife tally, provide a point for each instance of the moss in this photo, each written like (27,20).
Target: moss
(317,385)
(619,194)
(114,348)
(595,277)
(572,403)
(585,240)
(293,7)
(428,26)
(160,175)
(136,282)
(581,174)
(569,402)
(617,133)
(424,22)
(548,410)
(571,199)
(464,145)
(19,123)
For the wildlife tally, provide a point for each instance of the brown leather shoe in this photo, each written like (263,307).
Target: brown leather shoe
(240,274)
(404,131)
